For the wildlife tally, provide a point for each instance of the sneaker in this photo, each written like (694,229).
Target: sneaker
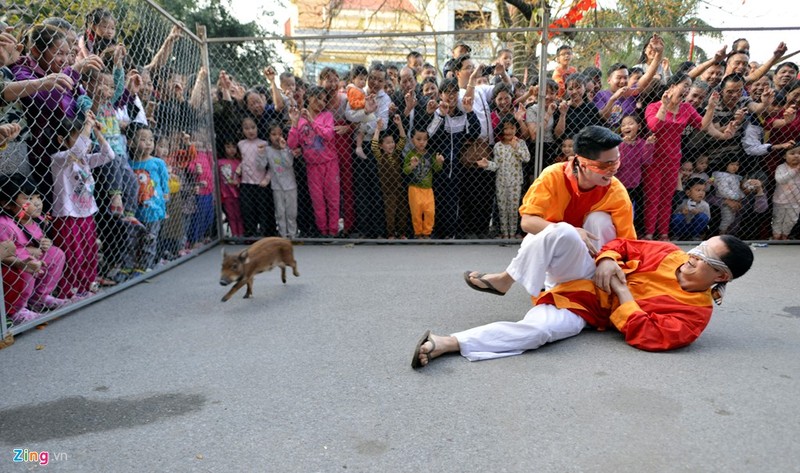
(81,296)
(24,315)
(122,275)
(47,302)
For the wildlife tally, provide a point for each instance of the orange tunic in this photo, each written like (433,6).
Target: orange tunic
(555,197)
(559,75)
(661,317)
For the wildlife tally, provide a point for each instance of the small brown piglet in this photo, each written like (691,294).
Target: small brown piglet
(261,256)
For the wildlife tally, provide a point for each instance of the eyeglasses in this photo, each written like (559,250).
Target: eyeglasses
(600,167)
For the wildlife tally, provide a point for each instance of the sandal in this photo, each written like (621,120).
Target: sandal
(415,363)
(489,288)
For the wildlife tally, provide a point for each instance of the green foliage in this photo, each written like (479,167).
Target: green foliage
(626,47)
(244,60)
(143,30)
(139,27)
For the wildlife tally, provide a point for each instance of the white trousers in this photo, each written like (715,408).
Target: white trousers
(557,251)
(524,269)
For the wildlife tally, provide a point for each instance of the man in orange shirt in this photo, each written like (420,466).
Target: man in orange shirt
(655,294)
(582,192)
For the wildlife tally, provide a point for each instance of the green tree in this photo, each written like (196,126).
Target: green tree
(613,47)
(627,47)
(244,60)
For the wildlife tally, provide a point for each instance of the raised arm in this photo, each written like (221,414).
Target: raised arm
(701,68)
(162,55)
(657,45)
(277,97)
(764,68)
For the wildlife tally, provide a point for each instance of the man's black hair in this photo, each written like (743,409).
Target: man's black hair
(739,257)
(792,65)
(593,140)
(732,78)
(616,67)
(458,62)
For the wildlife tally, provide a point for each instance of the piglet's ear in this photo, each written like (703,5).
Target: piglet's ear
(243,256)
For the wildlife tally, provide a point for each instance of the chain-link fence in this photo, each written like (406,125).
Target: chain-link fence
(111,168)
(381,143)
(106,167)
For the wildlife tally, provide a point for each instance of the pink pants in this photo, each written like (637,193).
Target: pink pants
(77,237)
(33,287)
(323,186)
(234,214)
(660,182)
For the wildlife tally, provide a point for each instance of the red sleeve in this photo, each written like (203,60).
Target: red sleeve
(668,326)
(650,116)
(640,255)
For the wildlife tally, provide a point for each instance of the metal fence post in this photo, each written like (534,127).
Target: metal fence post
(201,33)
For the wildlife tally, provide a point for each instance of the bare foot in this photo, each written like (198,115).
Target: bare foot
(436,346)
(502,282)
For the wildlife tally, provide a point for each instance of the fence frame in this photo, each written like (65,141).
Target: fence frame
(7,333)
(544,29)
(202,42)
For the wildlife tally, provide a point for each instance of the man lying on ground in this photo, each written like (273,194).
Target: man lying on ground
(658,296)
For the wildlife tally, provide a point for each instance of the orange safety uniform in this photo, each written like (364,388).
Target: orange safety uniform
(555,197)
(661,317)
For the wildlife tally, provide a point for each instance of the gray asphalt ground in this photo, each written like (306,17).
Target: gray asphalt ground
(314,376)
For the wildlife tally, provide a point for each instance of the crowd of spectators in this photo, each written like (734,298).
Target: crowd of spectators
(107,168)
(678,120)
